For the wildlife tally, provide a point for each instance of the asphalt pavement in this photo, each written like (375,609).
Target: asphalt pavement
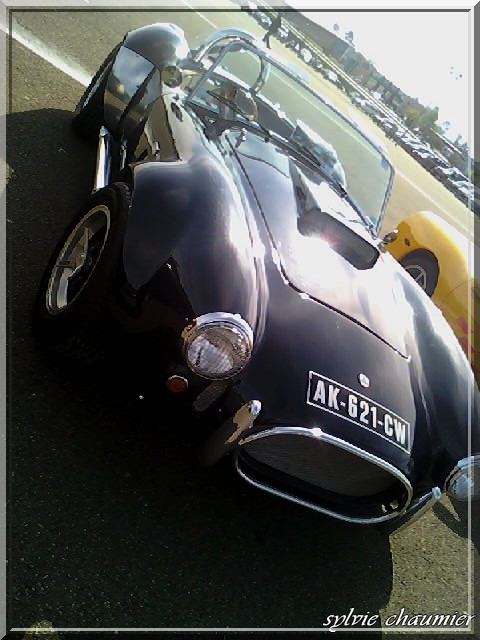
(112,524)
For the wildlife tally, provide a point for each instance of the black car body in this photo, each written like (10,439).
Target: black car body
(226,235)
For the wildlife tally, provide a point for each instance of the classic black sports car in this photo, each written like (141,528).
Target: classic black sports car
(233,232)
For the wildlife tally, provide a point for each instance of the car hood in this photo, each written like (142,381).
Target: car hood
(321,244)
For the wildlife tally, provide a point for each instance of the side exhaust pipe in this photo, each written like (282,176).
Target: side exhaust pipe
(102,170)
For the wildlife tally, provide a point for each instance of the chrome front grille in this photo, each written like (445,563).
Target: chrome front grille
(325,472)
(320,464)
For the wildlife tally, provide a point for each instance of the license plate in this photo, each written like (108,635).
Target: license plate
(336,398)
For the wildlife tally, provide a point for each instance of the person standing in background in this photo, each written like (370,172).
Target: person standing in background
(272,29)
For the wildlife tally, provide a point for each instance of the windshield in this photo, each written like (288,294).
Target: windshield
(241,83)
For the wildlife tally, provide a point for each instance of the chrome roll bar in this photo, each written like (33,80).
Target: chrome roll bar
(233,35)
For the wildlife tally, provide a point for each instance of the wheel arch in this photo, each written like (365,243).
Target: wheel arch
(138,58)
(187,217)
(427,253)
(426,232)
(77,325)
(423,256)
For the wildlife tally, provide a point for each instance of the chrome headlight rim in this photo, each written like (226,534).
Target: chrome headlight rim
(211,320)
(462,466)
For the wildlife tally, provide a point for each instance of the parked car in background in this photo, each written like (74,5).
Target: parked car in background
(441,260)
(441,161)
(465,191)
(306,55)
(368,107)
(262,18)
(365,105)
(420,150)
(283,33)
(446,175)
(435,161)
(232,240)
(386,124)
(344,85)
(463,186)
(426,158)
(293,43)
(413,145)
(332,76)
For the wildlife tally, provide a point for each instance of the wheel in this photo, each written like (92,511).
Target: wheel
(88,115)
(71,310)
(423,267)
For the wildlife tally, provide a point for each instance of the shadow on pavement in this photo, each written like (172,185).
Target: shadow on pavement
(459,524)
(112,522)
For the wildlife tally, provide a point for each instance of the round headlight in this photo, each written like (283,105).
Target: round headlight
(464,480)
(217,345)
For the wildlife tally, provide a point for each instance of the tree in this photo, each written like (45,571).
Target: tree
(424,119)
(412,116)
(428,119)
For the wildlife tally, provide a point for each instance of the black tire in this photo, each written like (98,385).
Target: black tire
(76,321)
(88,116)
(423,267)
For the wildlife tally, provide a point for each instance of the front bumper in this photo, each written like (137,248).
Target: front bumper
(323,472)
(318,471)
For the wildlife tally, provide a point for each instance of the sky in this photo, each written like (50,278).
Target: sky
(426,54)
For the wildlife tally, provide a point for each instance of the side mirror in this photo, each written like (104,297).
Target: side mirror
(387,239)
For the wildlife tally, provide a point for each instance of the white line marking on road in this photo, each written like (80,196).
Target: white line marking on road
(61,63)
(37,47)
(199,14)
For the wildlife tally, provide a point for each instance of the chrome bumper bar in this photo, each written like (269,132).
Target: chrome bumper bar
(102,171)
(417,508)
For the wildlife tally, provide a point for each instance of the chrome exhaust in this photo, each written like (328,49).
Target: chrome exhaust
(102,170)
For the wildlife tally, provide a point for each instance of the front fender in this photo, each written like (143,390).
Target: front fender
(187,219)
(163,44)
(141,56)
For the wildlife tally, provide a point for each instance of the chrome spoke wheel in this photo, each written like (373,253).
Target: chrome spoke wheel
(77,259)
(419,274)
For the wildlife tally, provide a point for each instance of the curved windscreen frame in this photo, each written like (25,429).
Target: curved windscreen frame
(368,182)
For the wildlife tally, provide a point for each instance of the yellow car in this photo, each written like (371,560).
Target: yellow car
(440,259)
